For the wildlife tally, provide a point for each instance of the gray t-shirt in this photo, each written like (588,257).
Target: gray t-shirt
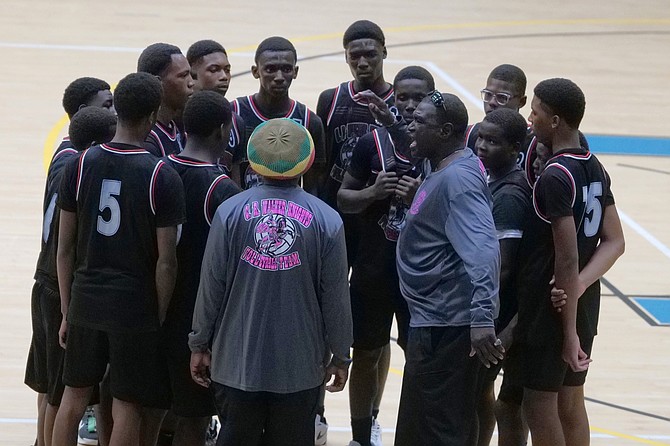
(448,255)
(273,301)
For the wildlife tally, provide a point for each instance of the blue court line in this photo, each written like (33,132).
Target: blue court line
(629,145)
(656,307)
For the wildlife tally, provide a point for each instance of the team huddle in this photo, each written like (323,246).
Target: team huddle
(202,257)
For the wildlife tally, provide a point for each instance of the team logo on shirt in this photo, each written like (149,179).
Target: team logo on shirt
(275,233)
(393,222)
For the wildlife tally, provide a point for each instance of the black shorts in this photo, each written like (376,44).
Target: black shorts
(543,367)
(372,312)
(44,369)
(137,373)
(440,388)
(511,391)
(188,398)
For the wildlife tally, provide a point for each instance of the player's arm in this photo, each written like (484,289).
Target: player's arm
(65,260)
(166,268)
(315,178)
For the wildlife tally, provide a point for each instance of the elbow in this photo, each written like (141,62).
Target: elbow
(621,247)
(342,203)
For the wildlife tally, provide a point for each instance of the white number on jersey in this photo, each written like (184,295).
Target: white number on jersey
(107,201)
(48,218)
(593,207)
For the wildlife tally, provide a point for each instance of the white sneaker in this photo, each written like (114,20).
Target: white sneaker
(375,433)
(320,431)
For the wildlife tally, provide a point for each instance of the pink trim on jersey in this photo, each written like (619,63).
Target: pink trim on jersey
(235,106)
(137,151)
(378,146)
(307,113)
(260,116)
(172,136)
(529,165)
(572,180)
(158,140)
(332,105)
(80,173)
(543,217)
(152,186)
(63,152)
(352,92)
(208,197)
(191,163)
(467,134)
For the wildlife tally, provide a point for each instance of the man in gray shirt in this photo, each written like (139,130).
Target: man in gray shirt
(448,263)
(273,303)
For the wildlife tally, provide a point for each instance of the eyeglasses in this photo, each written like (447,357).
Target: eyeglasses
(501,98)
(437,99)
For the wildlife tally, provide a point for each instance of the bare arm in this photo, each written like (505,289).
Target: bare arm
(166,268)
(353,197)
(65,259)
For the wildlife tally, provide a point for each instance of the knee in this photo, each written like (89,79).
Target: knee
(367,359)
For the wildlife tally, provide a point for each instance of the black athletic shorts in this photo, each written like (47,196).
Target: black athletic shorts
(511,391)
(188,398)
(137,372)
(544,369)
(372,312)
(44,369)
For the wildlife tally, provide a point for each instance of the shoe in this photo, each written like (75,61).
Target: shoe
(354,443)
(87,433)
(320,431)
(375,433)
(212,432)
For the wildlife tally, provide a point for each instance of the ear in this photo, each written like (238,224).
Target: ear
(555,121)
(225,131)
(447,130)
(295,72)
(522,101)
(153,117)
(254,72)
(384,52)
(82,106)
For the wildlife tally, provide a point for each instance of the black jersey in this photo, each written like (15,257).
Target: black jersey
(205,188)
(247,108)
(120,194)
(237,143)
(46,263)
(511,210)
(345,121)
(165,140)
(573,183)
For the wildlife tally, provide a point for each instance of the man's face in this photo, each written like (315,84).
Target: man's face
(425,130)
(103,99)
(408,95)
(275,70)
(540,122)
(500,90)
(212,72)
(177,82)
(543,154)
(493,149)
(365,58)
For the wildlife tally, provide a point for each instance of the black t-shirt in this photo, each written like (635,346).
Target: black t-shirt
(165,140)
(46,272)
(205,188)
(573,183)
(252,115)
(120,194)
(381,222)
(511,210)
(345,121)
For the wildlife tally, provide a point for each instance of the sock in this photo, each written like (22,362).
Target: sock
(361,430)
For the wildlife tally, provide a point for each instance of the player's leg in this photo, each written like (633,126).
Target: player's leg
(486,418)
(103,413)
(36,376)
(73,405)
(41,410)
(573,416)
(363,390)
(50,413)
(512,427)
(541,411)
(290,418)
(127,421)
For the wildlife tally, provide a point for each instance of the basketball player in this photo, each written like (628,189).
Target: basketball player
(120,207)
(273,301)
(207,120)
(379,185)
(275,68)
(210,70)
(500,138)
(169,64)
(573,201)
(44,368)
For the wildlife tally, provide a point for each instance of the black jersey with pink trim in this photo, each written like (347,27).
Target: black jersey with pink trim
(252,115)
(575,184)
(121,194)
(45,271)
(237,143)
(205,188)
(165,139)
(345,121)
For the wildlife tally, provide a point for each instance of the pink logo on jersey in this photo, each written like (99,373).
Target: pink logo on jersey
(418,201)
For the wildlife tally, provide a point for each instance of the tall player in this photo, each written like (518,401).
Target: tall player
(112,197)
(207,120)
(574,216)
(379,187)
(169,64)
(275,68)
(210,70)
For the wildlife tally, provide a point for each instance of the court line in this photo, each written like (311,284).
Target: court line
(644,233)
(648,169)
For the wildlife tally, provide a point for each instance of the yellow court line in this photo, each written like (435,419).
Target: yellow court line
(50,142)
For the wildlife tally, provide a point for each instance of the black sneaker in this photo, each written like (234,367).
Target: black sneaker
(212,432)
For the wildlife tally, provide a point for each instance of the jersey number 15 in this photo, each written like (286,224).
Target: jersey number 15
(593,207)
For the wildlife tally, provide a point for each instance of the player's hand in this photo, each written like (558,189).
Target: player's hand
(385,185)
(407,187)
(573,354)
(62,333)
(378,108)
(200,362)
(339,376)
(486,345)
(558,296)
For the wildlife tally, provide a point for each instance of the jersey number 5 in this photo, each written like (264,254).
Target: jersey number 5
(593,207)
(107,201)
